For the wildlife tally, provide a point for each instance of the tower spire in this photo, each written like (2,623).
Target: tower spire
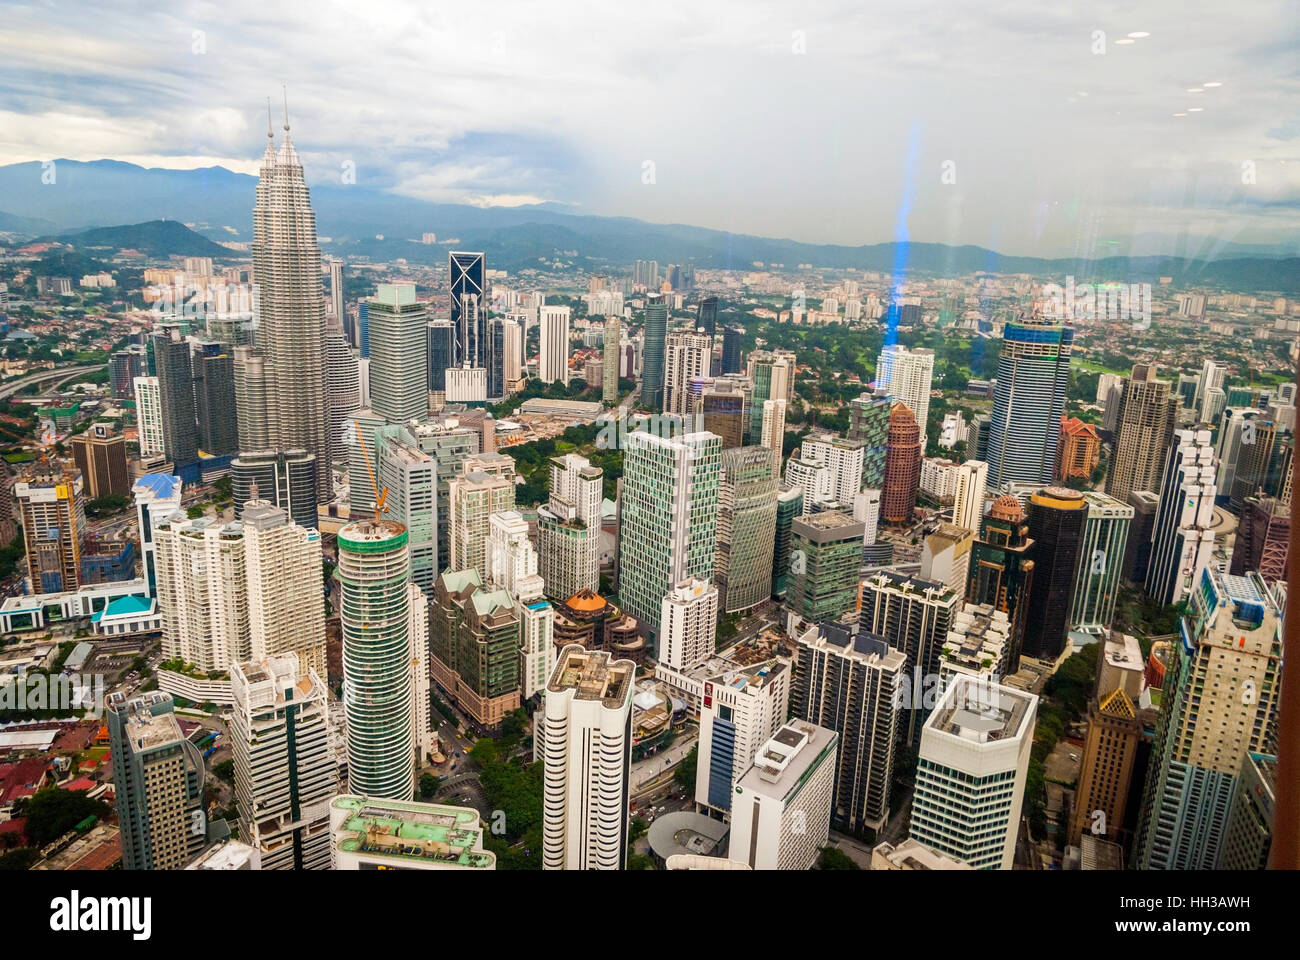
(285,88)
(269,134)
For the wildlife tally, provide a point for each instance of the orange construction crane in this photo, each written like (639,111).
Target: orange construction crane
(381,497)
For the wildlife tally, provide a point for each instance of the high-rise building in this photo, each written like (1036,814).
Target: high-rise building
(968,503)
(1078,450)
(902,466)
(252,418)
(1137,553)
(285,478)
(1182,538)
(653,355)
(214,398)
(668,523)
(771,433)
(176,392)
(781,812)
(1253,456)
(568,527)
(972,772)
(825,555)
(772,374)
(586,746)
(706,316)
(123,367)
(467,287)
(1220,703)
(686,358)
(732,360)
(689,624)
(1002,568)
(342,390)
(148,416)
(909,373)
(474,638)
(291,326)
(411,478)
(844,461)
(609,361)
(747,510)
(854,685)
(373,571)
(157,496)
(1033,374)
(1144,426)
(485,486)
(725,409)
(553,344)
(285,772)
(513,567)
(789,506)
(385,834)
(1101,562)
(399,387)
(282,565)
(441,348)
(1263,539)
(869,423)
(338,309)
(157,783)
(51,509)
(100,455)
(1057,518)
(1248,837)
(423,733)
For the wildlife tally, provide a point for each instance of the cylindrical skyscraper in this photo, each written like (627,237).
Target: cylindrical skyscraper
(1033,373)
(1057,516)
(374,569)
(652,358)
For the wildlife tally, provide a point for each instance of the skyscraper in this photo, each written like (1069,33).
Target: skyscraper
(706,316)
(689,621)
(485,486)
(467,284)
(286,479)
(100,454)
(553,344)
(609,363)
(825,555)
(474,638)
(441,336)
(586,746)
(869,422)
(1263,539)
(1002,568)
(176,391)
(513,566)
(343,390)
(291,326)
(1101,562)
(282,566)
(373,571)
(148,416)
(732,361)
(687,358)
(52,510)
(1182,537)
(725,410)
(399,387)
(902,466)
(157,496)
(411,478)
(652,362)
(669,519)
(909,373)
(1057,517)
(746,528)
(568,527)
(968,504)
(1144,426)
(772,374)
(214,398)
(202,592)
(1033,374)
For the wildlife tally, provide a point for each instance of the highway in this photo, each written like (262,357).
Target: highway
(58,373)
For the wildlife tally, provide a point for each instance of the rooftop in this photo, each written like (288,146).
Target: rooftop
(593,675)
(410,830)
(782,762)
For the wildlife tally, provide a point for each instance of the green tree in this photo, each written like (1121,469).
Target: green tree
(685,775)
(638,861)
(428,786)
(53,812)
(832,858)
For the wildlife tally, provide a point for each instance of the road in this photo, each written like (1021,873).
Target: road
(58,373)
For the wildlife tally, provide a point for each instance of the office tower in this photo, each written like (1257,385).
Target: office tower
(732,361)
(772,374)
(123,367)
(972,772)
(945,556)
(1002,568)
(286,479)
(214,398)
(825,554)
(1263,539)
(652,360)
(609,361)
(474,640)
(363,335)
(343,391)
(176,391)
(337,308)
(909,373)
(384,834)
(977,436)
(202,592)
(1144,425)
(568,527)
(1078,450)
(853,685)
(586,746)
(411,478)
(1057,518)
(362,478)
(424,736)
(869,423)
(450,444)
(747,508)
(252,419)
(1111,745)
(399,387)
(512,361)
(789,506)
(485,486)
(689,621)
(100,455)
(285,772)
(1236,426)
(157,784)
(1248,836)
(772,431)
(741,707)
(373,571)
(553,344)
(1220,703)
(156,495)
(1211,379)
(968,504)
(148,416)
(669,519)
(291,328)
(1182,536)
(441,335)
(686,358)
(706,316)
(282,562)
(1137,552)
(513,564)
(814,478)
(467,286)
(903,452)
(725,410)
(1033,374)
(781,812)
(912,615)
(52,512)
(1254,456)
(1101,562)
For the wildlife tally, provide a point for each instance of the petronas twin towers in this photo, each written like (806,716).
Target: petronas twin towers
(283,424)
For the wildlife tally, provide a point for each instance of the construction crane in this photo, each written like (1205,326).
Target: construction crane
(381,496)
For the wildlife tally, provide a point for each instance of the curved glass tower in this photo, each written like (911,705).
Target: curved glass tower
(374,569)
(1033,374)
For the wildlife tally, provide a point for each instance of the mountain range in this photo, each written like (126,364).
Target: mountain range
(355,220)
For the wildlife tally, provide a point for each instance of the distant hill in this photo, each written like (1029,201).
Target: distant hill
(219,204)
(156,238)
(27,226)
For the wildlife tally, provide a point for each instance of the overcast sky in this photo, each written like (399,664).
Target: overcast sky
(826,122)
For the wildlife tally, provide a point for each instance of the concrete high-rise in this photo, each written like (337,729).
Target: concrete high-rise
(586,747)
(968,504)
(1033,374)
(485,486)
(148,416)
(1144,426)
(686,358)
(411,478)
(1002,568)
(689,624)
(869,422)
(553,344)
(909,374)
(513,566)
(772,374)
(1263,539)
(1101,562)
(399,386)
(568,527)
(342,390)
(176,392)
(282,563)
(746,528)
(373,572)
(157,496)
(285,478)
(1182,539)
(214,398)
(825,556)
(609,360)
(100,454)
(725,409)
(902,466)
(652,362)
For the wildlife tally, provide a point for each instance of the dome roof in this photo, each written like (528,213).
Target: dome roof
(1007,507)
(587,601)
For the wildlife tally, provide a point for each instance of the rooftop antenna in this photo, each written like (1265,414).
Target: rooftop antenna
(269,134)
